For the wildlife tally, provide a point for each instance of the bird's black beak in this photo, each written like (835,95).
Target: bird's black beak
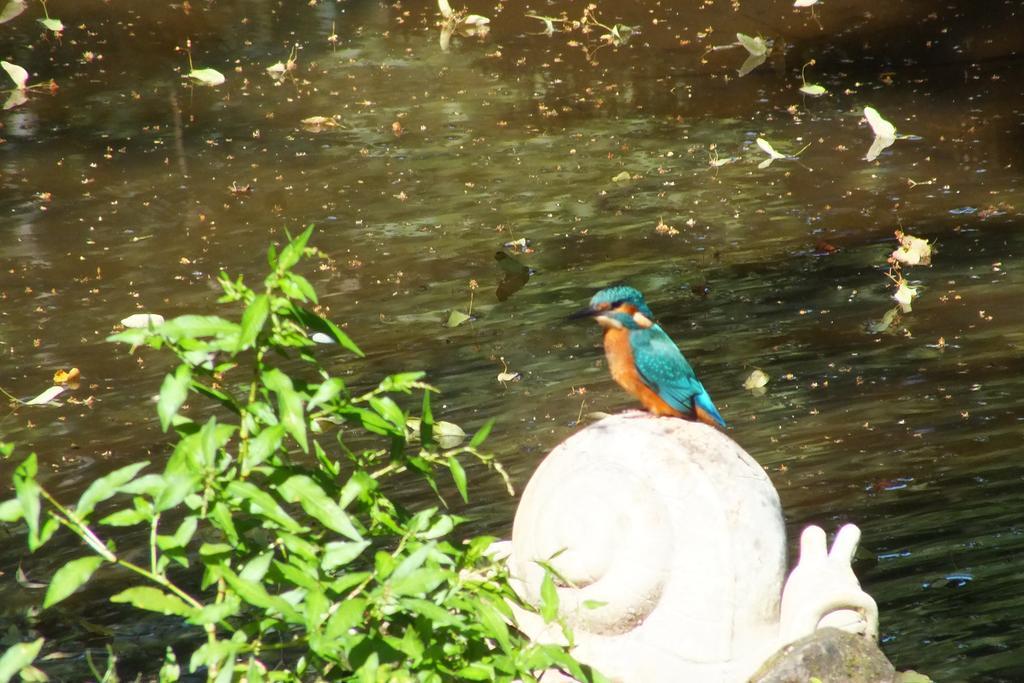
(583,313)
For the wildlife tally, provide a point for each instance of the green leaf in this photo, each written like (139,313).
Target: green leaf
(10,510)
(419,582)
(548,598)
(436,614)
(494,624)
(477,671)
(256,568)
(253,320)
(17,658)
(69,578)
(456,318)
(170,672)
(32,674)
(173,393)
(299,288)
(755,46)
(263,446)
(325,392)
(177,488)
(306,492)
(255,594)
(289,405)
(481,434)
(17,74)
(210,77)
(299,546)
(216,611)
(180,539)
(197,326)
(339,553)
(427,422)
(812,89)
(318,324)
(349,615)
(371,421)
(441,527)
(106,486)
(389,410)
(52,24)
(262,503)
(155,600)
(125,518)
(459,477)
(27,490)
(146,485)
(292,252)
(403,381)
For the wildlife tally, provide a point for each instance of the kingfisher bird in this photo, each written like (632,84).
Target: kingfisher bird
(644,360)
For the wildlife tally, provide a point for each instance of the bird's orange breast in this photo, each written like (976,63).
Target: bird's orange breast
(623,369)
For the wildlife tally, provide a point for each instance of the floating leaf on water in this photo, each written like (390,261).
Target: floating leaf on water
(753,45)
(623,177)
(805,3)
(45,397)
(475,20)
(22,578)
(446,434)
(913,251)
(456,318)
(812,89)
(756,380)
(904,295)
(140,320)
(17,74)
(210,77)
(12,9)
(321,338)
(885,322)
(751,63)
(768,149)
(52,24)
(16,99)
(881,127)
(878,145)
(507,375)
(277,70)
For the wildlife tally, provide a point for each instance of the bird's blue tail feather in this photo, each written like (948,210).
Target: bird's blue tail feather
(703,401)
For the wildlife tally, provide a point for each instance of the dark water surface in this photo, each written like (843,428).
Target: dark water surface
(114,198)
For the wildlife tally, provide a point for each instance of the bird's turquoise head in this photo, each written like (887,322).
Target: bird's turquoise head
(619,306)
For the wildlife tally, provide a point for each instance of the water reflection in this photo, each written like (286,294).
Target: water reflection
(117,197)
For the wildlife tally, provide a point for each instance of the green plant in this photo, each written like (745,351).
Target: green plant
(270,528)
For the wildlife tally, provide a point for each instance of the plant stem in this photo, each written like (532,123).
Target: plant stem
(79,527)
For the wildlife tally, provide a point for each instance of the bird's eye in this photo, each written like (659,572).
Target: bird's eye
(616,304)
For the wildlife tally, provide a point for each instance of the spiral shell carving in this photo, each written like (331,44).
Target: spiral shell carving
(667,537)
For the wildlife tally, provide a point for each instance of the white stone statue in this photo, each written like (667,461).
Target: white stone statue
(671,551)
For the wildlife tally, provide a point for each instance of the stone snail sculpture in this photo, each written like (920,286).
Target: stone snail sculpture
(670,551)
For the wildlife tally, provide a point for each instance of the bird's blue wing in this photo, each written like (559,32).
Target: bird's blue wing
(663,368)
